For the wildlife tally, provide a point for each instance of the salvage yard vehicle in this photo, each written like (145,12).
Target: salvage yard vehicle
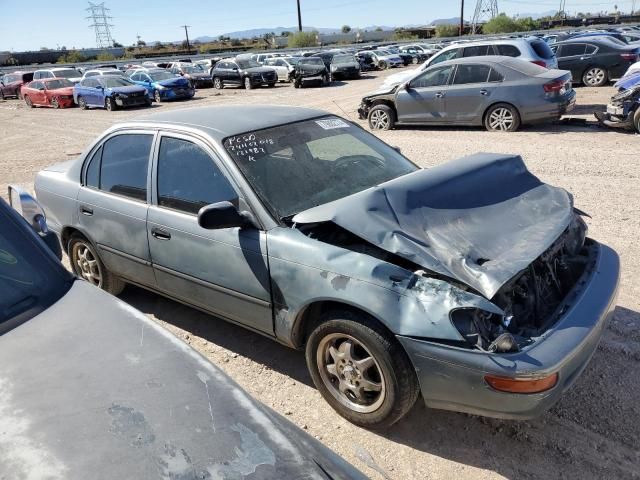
(284,67)
(159,410)
(311,70)
(303,227)
(594,61)
(383,59)
(110,92)
(193,73)
(245,73)
(623,111)
(100,72)
(49,92)
(344,67)
(11,83)
(500,93)
(69,73)
(162,85)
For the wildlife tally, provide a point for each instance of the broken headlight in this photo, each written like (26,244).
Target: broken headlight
(484,330)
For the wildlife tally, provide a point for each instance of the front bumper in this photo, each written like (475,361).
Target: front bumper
(452,378)
(177,93)
(617,115)
(132,101)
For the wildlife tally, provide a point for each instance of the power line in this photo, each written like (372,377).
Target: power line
(100,18)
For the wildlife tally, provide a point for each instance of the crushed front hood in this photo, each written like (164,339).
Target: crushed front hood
(479,219)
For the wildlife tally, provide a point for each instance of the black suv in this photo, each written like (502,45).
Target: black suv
(245,73)
(593,61)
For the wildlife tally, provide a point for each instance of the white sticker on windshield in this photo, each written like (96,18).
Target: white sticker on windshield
(332,123)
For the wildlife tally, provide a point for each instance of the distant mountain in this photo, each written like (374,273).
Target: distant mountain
(446,21)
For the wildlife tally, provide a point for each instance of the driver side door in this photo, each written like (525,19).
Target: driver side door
(223,271)
(424,101)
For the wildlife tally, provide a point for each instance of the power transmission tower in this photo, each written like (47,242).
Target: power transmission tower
(98,13)
(485,10)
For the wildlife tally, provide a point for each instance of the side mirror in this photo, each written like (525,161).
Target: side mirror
(235,69)
(407,86)
(396,148)
(223,215)
(29,208)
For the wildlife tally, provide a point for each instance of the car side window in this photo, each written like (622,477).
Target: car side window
(188,178)
(591,49)
(91,74)
(231,65)
(507,50)
(433,78)
(495,76)
(466,74)
(36,75)
(477,51)
(444,56)
(136,77)
(92,174)
(125,161)
(572,49)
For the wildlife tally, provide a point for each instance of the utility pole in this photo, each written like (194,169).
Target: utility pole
(186,32)
(461,17)
(299,17)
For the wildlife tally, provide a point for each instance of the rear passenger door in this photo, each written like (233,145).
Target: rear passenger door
(112,204)
(470,92)
(224,271)
(233,75)
(424,101)
(571,56)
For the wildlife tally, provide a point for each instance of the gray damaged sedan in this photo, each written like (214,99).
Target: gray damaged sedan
(473,282)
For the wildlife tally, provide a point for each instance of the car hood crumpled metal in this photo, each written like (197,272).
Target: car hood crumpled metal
(480,219)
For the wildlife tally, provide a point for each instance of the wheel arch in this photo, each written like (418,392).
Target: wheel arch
(309,316)
(493,104)
(69,231)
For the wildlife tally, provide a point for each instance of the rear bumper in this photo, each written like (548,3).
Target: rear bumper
(453,378)
(550,110)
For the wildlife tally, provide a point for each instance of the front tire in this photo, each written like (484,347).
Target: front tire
(157,97)
(55,103)
(595,77)
(361,370)
(502,117)
(87,265)
(381,117)
(247,83)
(382,65)
(28,101)
(82,103)
(636,120)
(109,104)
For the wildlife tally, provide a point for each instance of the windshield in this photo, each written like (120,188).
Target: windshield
(298,166)
(29,281)
(70,73)
(311,61)
(61,83)
(248,63)
(293,60)
(113,82)
(159,76)
(381,53)
(343,59)
(192,69)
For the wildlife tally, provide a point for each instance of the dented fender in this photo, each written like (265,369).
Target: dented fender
(405,302)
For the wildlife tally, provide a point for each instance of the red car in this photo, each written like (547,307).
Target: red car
(11,83)
(49,92)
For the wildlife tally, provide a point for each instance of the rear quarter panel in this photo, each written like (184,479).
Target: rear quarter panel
(57,192)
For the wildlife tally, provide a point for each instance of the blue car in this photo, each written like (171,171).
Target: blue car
(109,92)
(163,85)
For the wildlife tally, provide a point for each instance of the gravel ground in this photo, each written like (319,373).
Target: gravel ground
(593,432)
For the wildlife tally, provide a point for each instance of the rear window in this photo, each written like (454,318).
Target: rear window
(524,67)
(542,49)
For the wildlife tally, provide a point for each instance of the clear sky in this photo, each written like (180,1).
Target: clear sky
(31,24)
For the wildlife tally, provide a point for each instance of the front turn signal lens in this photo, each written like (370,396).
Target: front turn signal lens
(522,385)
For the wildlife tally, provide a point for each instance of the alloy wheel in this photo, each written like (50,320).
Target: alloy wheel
(595,77)
(54,103)
(217,83)
(351,374)
(501,119)
(86,264)
(379,120)
(247,83)
(157,97)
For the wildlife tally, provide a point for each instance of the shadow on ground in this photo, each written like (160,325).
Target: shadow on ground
(592,431)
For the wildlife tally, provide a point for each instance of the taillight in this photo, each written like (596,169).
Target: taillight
(554,86)
(631,57)
(539,62)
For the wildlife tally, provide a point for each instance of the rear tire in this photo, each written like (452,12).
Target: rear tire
(381,117)
(157,97)
(636,119)
(502,117)
(361,370)
(217,83)
(87,265)
(109,104)
(54,103)
(247,83)
(82,103)
(28,101)
(595,77)
(382,65)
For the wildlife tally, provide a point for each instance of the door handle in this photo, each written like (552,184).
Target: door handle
(86,211)
(439,94)
(160,234)
(484,92)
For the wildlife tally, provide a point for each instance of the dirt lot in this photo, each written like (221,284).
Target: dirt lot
(594,432)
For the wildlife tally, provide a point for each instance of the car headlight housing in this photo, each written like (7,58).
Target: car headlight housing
(484,330)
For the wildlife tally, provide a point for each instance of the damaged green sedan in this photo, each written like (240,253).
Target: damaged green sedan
(473,283)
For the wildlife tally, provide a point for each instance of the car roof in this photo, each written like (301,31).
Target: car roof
(222,121)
